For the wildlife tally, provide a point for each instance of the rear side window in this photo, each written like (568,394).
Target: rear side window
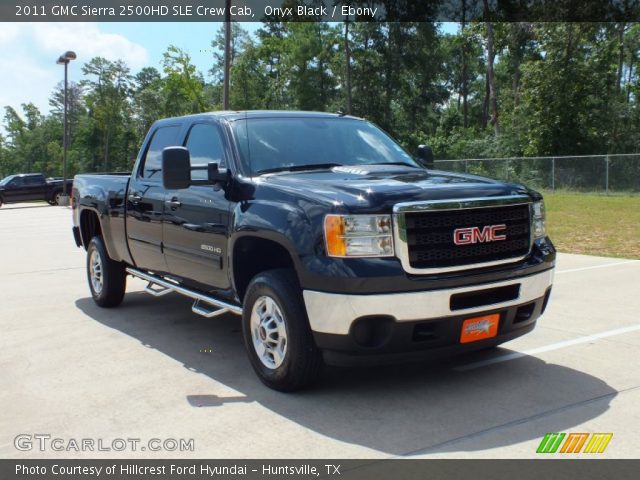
(34,180)
(205,146)
(152,163)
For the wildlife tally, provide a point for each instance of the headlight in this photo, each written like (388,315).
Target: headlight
(538,225)
(358,235)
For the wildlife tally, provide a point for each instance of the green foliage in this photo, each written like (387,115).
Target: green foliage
(561,89)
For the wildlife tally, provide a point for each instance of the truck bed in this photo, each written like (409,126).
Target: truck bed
(105,193)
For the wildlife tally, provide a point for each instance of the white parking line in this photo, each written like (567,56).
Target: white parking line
(628,262)
(548,348)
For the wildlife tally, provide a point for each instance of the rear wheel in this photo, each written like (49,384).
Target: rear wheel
(55,198)
(277,334)
(107,278)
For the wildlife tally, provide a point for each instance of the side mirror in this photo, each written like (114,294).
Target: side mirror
(176,168)
(217,176)
(425,156)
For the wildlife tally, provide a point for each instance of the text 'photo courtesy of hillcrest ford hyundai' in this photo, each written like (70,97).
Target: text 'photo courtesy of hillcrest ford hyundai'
(331,242)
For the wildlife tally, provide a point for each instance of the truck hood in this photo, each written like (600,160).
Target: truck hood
(379,187)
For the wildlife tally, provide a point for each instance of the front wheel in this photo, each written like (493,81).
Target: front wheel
(107,278)
(55,198)
(276,332)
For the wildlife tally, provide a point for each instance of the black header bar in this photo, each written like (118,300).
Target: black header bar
(317,10)
(570,469)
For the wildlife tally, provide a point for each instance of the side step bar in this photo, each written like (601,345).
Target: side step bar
(158,286)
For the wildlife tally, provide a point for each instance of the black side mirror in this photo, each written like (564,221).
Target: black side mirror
(176,168)
(217,176)
(425,156)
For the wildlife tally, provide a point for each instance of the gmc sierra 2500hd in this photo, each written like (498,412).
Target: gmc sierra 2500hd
(330,241)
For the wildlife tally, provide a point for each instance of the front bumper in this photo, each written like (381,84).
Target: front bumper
(425,323)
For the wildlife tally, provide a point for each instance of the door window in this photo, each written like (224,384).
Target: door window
(152,163)
(33,180)
(205,146)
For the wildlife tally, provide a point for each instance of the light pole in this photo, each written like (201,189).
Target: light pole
(227,54)
(64,59)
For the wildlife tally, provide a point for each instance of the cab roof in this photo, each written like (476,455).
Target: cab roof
(232,115)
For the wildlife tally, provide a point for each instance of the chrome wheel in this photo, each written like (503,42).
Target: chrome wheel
(57,199)
(95,272)
(268,332)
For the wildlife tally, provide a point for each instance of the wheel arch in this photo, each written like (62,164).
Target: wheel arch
(251,254)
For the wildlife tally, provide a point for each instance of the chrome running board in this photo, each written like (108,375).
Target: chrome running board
(158,287)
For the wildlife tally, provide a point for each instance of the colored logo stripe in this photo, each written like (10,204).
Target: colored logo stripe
(574,443)
(550,443)
(598,442)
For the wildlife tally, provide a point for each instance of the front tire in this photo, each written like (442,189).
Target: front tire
(107,278)
(276,332)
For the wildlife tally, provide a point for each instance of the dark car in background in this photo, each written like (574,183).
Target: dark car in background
(29,187)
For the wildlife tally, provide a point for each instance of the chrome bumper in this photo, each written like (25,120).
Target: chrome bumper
(334,313)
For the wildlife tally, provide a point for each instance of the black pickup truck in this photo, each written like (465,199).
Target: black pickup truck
(331,242)
(29,187)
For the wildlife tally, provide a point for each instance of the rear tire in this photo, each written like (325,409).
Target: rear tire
(276,332)
(107,278)
(55,198)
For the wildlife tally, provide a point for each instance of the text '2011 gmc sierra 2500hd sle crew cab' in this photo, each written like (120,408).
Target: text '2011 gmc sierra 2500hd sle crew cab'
(331,242)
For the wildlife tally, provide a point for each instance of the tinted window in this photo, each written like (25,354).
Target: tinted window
(162,138)
(205,146)
(17,182)
(34,180)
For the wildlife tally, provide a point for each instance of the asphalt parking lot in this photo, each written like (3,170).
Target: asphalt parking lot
(153,369)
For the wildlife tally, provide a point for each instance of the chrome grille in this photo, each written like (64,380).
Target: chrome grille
(425,233)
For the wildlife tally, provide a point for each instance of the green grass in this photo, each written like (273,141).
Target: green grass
(594,224)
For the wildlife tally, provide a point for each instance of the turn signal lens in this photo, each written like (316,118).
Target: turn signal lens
(358,235)
(334,233)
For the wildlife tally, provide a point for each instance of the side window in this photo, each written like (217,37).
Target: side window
(17,182)
(205,146)
(34,180)
(162,138)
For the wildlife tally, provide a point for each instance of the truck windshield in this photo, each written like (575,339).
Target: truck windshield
(6,180)
(285,144)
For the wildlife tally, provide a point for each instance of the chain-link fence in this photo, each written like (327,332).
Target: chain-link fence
(592,173)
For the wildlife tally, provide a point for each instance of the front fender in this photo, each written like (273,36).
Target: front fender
(283,223)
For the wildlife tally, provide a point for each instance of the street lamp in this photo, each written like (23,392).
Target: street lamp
(227,55)
(64,59)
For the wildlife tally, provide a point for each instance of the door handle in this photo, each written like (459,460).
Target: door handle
(173,203)
(135,198)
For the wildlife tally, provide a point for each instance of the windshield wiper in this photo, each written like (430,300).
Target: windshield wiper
(295,168)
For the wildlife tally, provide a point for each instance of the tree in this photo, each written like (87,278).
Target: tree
(183,85)
(108,88)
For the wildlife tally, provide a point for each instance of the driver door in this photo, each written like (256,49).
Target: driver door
(197,218)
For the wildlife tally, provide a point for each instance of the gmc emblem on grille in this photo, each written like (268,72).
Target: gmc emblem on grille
(465,236)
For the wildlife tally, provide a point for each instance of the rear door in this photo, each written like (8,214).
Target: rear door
(197,218)
(145,202)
